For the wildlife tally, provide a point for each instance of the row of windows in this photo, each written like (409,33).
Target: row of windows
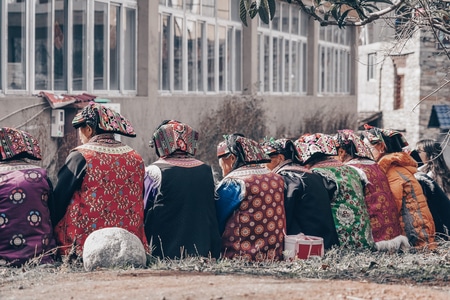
(199,54)
(68,45)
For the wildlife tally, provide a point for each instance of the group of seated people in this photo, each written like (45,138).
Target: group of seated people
(354,190)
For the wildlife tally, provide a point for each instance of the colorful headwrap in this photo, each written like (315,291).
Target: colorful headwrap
(173,136)
(18,143)
(101,117)
(283,146)
(222,149)
(310,144)
(392,139)
(349,141)
(246,150)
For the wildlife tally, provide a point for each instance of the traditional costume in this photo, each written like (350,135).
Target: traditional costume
(250,204)
(179,194)
(384,216)
(101,184)
(307,201)
(25,228)
(348,207)
(415,216)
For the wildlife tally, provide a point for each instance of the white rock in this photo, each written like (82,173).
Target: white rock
(113,248)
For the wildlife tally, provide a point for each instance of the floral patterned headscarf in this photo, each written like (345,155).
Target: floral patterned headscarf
(350,142)
(15,143)
(283,146)
(101,117)
(310,144)
(247,151)
(393,140)
(173,136)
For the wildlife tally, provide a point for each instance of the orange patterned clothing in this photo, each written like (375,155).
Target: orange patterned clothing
(111,194)
(255,229)
(415,216)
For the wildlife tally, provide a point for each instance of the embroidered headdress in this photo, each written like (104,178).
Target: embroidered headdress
(15,143)
(283,146)
(393,140)
(101,117)
(173,136)
(247,151)
(352,143)
(309,145)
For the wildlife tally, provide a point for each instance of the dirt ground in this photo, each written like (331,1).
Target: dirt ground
(151,284)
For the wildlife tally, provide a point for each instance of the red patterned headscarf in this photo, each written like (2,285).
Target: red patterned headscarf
(15,143)
(247,151)
(310,144)
(101,117)
(173,136)
(350,142)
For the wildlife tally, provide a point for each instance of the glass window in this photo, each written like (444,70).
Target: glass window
(222,36)
(211,57)
(178,54)
(208,8)
(295,20)
(100,45)
(237,61)
(43,44)
(192,55)
(193,6)
(287,64)
(223,9)
(371,57)
(114,47)
(235,11)
(16,45)
(164,81)
(276,18)
(60,47)
(267,67)
(79,47)
(129,57)
(201,30)
(285,17)
(178,4)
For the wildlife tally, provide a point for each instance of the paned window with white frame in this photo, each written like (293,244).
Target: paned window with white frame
(200,47)
(282,52)
(334,60)
(68,46)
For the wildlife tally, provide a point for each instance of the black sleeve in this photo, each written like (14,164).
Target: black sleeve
(70,178)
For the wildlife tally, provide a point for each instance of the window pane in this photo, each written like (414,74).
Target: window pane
(60,60)
(222,57)
(208,8)
(200,51)
(178,54)
(164,79)
(266,63)
(211,56)
(129,56)
(176,4)
(44,47)
(304,66)
(276,18)
(193,6)
(192,55)
(276,55)
(237,59)
(287,63)
(295,67)
(295,20)
(114,47)
(16,25)
(285,17)
(100,45)
(79,55)
(235,11)
(223,9)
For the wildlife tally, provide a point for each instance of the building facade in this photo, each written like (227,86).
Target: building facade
(167,59)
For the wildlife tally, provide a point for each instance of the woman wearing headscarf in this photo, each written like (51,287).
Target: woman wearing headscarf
(415,217)
(317,152)
(306,198)
(101,183)
(25,227)
(250,202)
(384,217)
(179,193)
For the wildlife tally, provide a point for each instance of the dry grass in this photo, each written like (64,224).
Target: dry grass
(430,268)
